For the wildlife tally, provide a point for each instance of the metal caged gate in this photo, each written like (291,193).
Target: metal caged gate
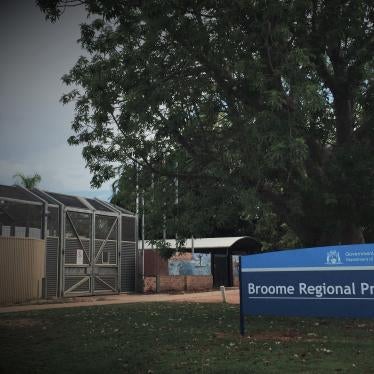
(92,249)
(91,262)
(90,244)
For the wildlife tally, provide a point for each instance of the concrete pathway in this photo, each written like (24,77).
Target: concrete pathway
(232,297)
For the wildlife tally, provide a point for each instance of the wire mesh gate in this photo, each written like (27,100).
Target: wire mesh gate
(91,253)
(105,271)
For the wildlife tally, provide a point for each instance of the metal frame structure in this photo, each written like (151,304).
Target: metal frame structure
(87,253)
(27,198)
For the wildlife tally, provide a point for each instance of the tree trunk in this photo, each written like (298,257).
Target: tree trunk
(351,234)
(336,234)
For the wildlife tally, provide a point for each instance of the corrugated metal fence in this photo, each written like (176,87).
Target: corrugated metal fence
(22,269)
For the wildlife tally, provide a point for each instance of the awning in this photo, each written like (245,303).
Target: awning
(240,244)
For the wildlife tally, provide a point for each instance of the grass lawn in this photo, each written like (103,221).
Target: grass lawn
(174,337)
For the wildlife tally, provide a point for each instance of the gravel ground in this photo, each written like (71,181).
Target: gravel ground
(232,297)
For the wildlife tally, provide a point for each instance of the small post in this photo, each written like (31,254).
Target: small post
(241,288)
(158,283)
(143,234)
(223,293)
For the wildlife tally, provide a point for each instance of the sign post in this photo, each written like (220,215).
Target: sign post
(334,281)
(242,321)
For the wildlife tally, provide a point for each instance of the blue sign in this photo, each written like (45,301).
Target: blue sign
(321,282)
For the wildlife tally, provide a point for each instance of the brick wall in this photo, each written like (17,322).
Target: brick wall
(172,283)
(199,282)
(149,284)
(178,283)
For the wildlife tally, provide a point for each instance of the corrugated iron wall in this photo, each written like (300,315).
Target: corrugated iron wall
(22,269)
(52,266)
(128,267)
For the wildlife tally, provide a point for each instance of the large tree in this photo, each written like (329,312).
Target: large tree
(273,96)
(183,208)
(191,207)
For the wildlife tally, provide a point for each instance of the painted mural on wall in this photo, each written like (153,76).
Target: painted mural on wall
(190,264)
(235,266)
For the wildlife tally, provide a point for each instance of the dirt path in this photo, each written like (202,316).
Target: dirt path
(232,297)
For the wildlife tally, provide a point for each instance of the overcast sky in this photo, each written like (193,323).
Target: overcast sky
(34,125)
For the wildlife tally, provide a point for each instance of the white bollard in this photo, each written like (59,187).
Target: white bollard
(223,293)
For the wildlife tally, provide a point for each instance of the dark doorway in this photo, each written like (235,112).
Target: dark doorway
(221,270)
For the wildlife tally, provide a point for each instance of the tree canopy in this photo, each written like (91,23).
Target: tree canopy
(271,100)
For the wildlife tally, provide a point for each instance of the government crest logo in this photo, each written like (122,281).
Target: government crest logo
(333,258)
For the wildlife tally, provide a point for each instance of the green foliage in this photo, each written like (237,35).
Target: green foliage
(187,208)
(273,233)
(164,248)
(28,181)
(267,99)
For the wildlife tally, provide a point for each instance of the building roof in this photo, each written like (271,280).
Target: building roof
(238,243)
(35,196)
(18,193)
(86,203)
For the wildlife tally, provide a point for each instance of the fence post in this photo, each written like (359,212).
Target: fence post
(157,284)
(223,293)
(241,298)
